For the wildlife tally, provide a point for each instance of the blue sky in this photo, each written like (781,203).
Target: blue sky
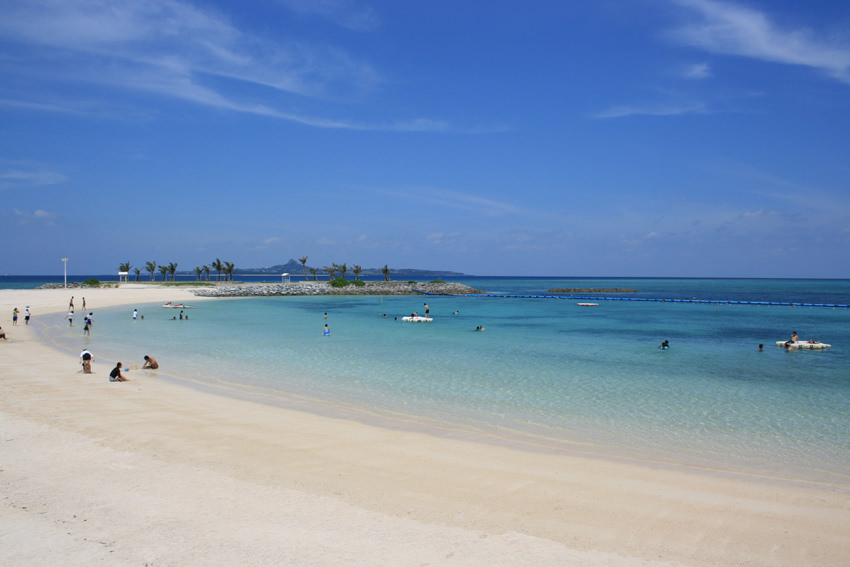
(608,138)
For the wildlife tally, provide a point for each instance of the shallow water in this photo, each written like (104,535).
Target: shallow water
(545,372)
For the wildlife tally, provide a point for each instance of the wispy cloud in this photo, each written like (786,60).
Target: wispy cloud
(652,110)
(730,29)
(698,71)
(345,13)
(26,217)
(455,200)
(182,51)
(18,178)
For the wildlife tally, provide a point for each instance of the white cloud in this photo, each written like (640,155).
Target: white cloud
(183,51)
(344,13)
(660,110)
(17,178)
(698,71)
(39,215)
(730,29)
(456,200)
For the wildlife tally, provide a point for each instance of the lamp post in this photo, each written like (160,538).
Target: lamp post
(65,263)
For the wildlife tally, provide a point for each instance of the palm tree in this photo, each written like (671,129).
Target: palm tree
(198,270)
(331,270)
(304,264)
(313,271)
(151,267)
(125,267)
(357,271)
(229,268)
(342,268)
(138,273)
(218,266)
(164,271)
(172,268)
(206,270)
(386,271)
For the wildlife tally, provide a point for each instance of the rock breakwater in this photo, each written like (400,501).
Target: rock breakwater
(322,288)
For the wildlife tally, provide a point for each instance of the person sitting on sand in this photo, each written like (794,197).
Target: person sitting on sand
(115,375)
(2,334)
(150,362)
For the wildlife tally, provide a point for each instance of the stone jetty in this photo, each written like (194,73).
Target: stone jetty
(322,288)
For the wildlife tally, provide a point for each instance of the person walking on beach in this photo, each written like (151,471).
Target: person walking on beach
(115,375)
(86,358)
(71,303)
(84,304)
(150,362)
(15,312)
(27,316)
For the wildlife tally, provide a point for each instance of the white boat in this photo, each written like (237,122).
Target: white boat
(803,344)
(170,305)
(417,319)
(587,304)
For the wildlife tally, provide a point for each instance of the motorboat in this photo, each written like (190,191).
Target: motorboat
(170,305)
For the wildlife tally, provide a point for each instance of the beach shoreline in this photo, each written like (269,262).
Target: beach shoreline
(136,464)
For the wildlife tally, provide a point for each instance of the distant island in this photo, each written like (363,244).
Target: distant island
(591,290)
(295,268)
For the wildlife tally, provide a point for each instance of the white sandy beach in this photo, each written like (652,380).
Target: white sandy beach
(150,473)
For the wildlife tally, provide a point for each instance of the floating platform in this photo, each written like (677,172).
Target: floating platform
(812,345)
(409,319)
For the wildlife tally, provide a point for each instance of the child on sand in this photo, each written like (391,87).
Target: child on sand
(115,375)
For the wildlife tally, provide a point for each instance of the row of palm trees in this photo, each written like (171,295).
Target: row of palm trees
(340,269)
(228,269)
(170,269)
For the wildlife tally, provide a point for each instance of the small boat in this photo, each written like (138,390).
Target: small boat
(812,345)
(170,305)
(587,304)
(417,319)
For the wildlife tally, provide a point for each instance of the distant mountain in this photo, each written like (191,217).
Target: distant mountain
(295,268)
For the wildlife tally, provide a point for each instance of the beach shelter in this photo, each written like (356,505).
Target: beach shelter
(284,278)
(123,277)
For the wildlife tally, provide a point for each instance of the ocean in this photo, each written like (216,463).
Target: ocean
(545,374)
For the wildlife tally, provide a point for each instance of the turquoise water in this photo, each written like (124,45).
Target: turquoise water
(546,373)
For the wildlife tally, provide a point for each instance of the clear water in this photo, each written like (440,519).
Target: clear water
(546,373)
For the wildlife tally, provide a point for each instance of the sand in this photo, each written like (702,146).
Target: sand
(152,473)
